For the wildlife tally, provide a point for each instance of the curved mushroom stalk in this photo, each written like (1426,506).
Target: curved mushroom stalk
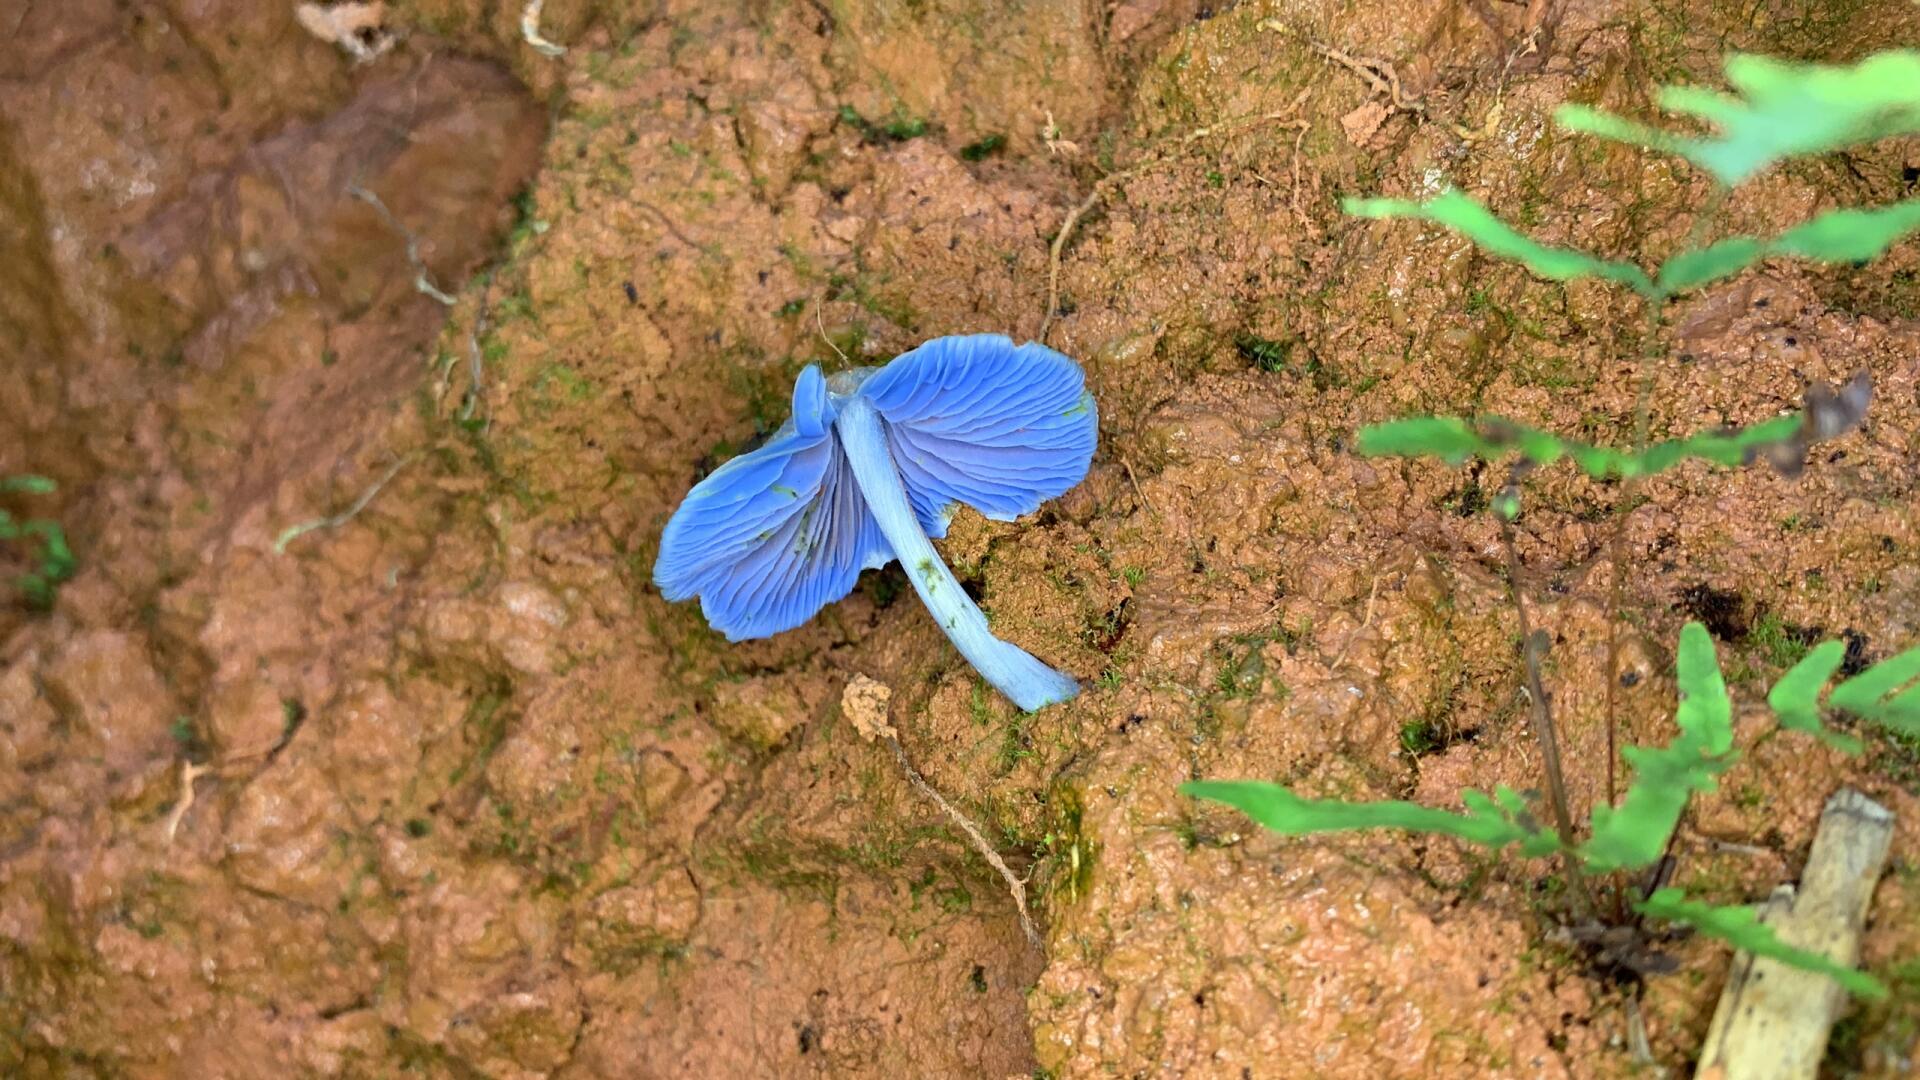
(1010,669)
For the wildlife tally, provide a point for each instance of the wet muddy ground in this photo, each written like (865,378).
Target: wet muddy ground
(361,745)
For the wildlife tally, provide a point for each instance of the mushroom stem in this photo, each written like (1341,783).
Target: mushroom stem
(1010,669)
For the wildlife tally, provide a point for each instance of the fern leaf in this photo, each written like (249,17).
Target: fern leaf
(1886,693)
(1489,822)
(1454,440)
(1779,110)
(1692,269)
(1635,833)
(1835,236)
(1795,699)
(1474,221)
(1740,927)
(29,483)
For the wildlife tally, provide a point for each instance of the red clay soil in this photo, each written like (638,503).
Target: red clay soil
(361,745)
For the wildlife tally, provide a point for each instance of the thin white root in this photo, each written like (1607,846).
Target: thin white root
(422,280)
(476,362)
(820,327)
(294,532)
(189,772)
(530,30)
(1014,885)
(864,703)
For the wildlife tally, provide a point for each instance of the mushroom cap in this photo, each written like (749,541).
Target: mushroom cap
(975,419)
(774,535)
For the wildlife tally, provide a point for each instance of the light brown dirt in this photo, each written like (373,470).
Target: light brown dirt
(476,802)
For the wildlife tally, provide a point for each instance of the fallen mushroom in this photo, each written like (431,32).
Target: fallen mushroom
(871,465)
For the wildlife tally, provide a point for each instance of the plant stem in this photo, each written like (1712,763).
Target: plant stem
(1656,306)
(1543,728)
(1010,669)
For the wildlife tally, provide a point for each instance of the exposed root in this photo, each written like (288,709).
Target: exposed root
(864,703)
(1107,183)
(189,772)
(1301,127)
(294,532)
(1138,491)
(1377,74)
(667,223)
(422,280)
(476,363)
(1382,80)
(820,326)
(1373,594)
(530,30)
(1014,885)
(1060,242)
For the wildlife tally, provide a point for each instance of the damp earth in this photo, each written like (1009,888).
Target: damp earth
(361,745)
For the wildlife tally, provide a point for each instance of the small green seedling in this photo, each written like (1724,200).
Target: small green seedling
(1635,834)
(55,562)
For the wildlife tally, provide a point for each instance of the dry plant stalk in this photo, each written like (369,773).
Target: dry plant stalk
(1773,1020)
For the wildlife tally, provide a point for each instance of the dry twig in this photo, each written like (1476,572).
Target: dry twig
(1774,1020)
(1108,182)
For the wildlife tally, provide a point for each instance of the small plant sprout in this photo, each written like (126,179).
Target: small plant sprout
(55,564)
(870,468)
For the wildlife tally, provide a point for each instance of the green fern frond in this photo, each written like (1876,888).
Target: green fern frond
(1780,110)
(1835,236)
(1635,833)
(1453,440)
(1742,928)
(1490,822)
(1474,221)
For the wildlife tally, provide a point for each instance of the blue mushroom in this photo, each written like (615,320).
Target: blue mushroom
(871,465)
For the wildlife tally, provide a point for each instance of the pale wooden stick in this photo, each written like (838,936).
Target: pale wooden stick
(1773,1021)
